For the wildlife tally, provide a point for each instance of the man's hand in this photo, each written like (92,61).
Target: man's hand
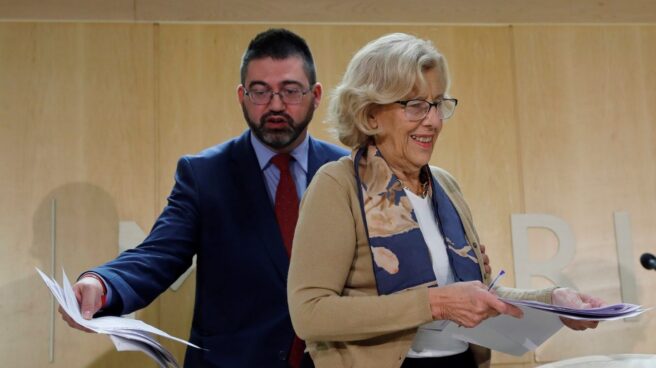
(486,260)
(88,292)
(573,299)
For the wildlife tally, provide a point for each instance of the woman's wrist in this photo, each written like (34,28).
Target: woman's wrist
(436,298)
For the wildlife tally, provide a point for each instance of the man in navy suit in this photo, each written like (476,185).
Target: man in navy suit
(224,208)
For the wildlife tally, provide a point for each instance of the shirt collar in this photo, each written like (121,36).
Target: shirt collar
(264,153)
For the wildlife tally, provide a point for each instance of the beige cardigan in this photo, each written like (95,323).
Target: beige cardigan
(332,293)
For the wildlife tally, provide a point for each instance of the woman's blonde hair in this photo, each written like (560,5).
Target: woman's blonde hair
(384,71)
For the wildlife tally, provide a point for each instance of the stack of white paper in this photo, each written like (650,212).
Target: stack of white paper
(605,313)
(126,334)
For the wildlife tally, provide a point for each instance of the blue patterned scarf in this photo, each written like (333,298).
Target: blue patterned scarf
(400,255)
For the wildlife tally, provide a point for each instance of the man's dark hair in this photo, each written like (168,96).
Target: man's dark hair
(278,44)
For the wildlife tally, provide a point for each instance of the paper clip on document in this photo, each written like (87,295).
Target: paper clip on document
(494,282)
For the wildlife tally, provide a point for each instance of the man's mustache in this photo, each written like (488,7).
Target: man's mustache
(281,115)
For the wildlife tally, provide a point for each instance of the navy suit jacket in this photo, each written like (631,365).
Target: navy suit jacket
(219,209)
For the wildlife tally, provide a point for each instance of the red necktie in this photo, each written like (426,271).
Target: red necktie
(286,208)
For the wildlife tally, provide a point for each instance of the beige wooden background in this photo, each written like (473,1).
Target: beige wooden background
(552,119)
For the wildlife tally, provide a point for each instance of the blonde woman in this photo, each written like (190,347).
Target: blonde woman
(385,248)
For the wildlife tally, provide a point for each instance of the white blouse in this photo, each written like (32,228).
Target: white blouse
(429,342)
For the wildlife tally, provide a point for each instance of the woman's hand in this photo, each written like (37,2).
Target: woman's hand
(573,299)
(486,260)
(467,303)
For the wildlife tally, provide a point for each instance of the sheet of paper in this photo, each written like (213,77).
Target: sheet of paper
(125,333)
(124,344)
(508,334)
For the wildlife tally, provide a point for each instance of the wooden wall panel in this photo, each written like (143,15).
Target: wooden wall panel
(586,115)
(68,10)
(335,11)
(554,120)
(389,11)
(76,125)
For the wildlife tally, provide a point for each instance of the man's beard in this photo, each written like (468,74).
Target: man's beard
(281,137)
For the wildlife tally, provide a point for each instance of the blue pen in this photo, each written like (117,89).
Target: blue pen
(501,273)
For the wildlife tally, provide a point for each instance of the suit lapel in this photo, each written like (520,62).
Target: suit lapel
(257,203)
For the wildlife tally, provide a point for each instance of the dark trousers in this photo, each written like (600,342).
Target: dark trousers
(307,362)
(462,360)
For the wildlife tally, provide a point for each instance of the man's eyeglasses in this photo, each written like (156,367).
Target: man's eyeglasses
(416,110)
(288,95)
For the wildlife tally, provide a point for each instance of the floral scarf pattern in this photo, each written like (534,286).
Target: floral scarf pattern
(401,257)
